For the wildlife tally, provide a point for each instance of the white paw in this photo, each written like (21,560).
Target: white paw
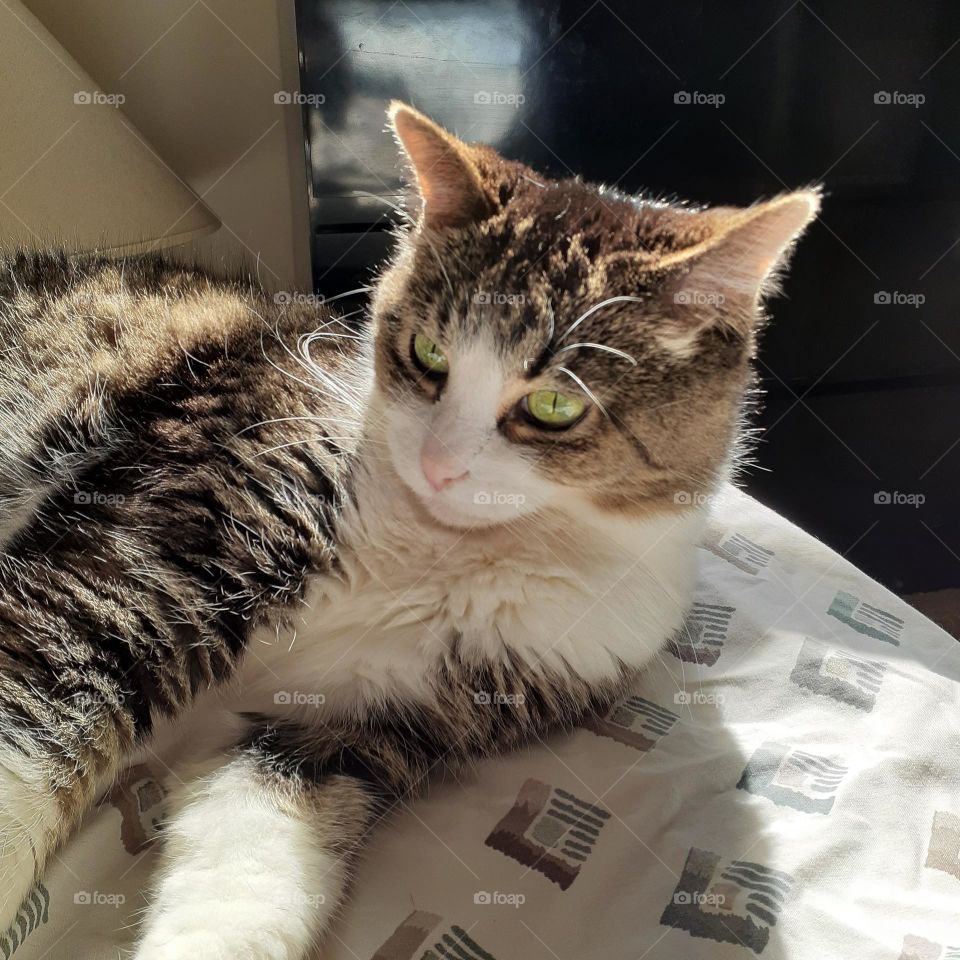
(226,944)
(208,946)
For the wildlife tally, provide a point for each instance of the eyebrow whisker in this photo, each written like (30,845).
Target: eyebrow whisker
(601,346)
(585,389)
(595,308)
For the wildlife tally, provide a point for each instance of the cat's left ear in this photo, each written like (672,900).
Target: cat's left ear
(448,182)
(740,261)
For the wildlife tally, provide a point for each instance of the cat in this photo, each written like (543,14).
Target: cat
(359,554)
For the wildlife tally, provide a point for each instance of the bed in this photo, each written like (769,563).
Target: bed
(784,783)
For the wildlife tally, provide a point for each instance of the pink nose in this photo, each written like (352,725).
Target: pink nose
(441,469)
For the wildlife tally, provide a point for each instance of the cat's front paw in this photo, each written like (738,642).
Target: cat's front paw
(227,944)
(206,945)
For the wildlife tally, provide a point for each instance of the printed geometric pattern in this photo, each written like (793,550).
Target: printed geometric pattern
(636,722)
(138,795)
(405,942)
(730,901)
(33,913)
(944,850)
(865,618)
(792,777)
(917,948)
(839,675)
(549,830)
(742,552)
(701,637)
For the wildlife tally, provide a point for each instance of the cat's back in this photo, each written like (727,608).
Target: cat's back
(68,323)
(95,354)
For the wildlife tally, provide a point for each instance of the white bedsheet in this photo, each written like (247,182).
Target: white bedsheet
(794,794)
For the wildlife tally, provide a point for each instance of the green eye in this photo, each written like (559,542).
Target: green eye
(429,356)
(551,409)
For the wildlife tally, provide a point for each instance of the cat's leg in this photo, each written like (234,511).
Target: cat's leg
(256,859)
(44,792)
(258,850)
(27,819)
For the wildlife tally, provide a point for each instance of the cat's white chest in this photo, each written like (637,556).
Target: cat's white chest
(380,629)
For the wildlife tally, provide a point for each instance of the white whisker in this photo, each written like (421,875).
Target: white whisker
(296,443)
(585,389)
(347,293)
(263,423)
(553,325)
(600,346)
(595,308)
(405,214)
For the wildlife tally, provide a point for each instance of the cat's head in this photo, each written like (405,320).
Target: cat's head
(545,343)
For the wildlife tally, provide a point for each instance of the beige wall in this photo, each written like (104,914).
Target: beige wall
(199,78)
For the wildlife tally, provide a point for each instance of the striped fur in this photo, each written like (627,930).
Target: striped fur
(209,500)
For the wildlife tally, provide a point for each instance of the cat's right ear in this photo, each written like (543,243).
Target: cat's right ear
(448,183)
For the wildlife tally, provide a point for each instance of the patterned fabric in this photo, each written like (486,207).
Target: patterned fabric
(784,782)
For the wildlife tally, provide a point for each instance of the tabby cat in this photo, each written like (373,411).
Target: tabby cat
(449,531)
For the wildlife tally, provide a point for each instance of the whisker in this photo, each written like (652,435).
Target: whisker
(263,423)
(553,326)
(348,293)
(295,443)
(595,308)
(585,389)
(601,346)
(405,214)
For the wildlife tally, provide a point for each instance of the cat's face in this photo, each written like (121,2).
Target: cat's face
(553,344)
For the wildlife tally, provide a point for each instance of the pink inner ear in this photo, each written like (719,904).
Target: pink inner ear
(447,179)
(742,260)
